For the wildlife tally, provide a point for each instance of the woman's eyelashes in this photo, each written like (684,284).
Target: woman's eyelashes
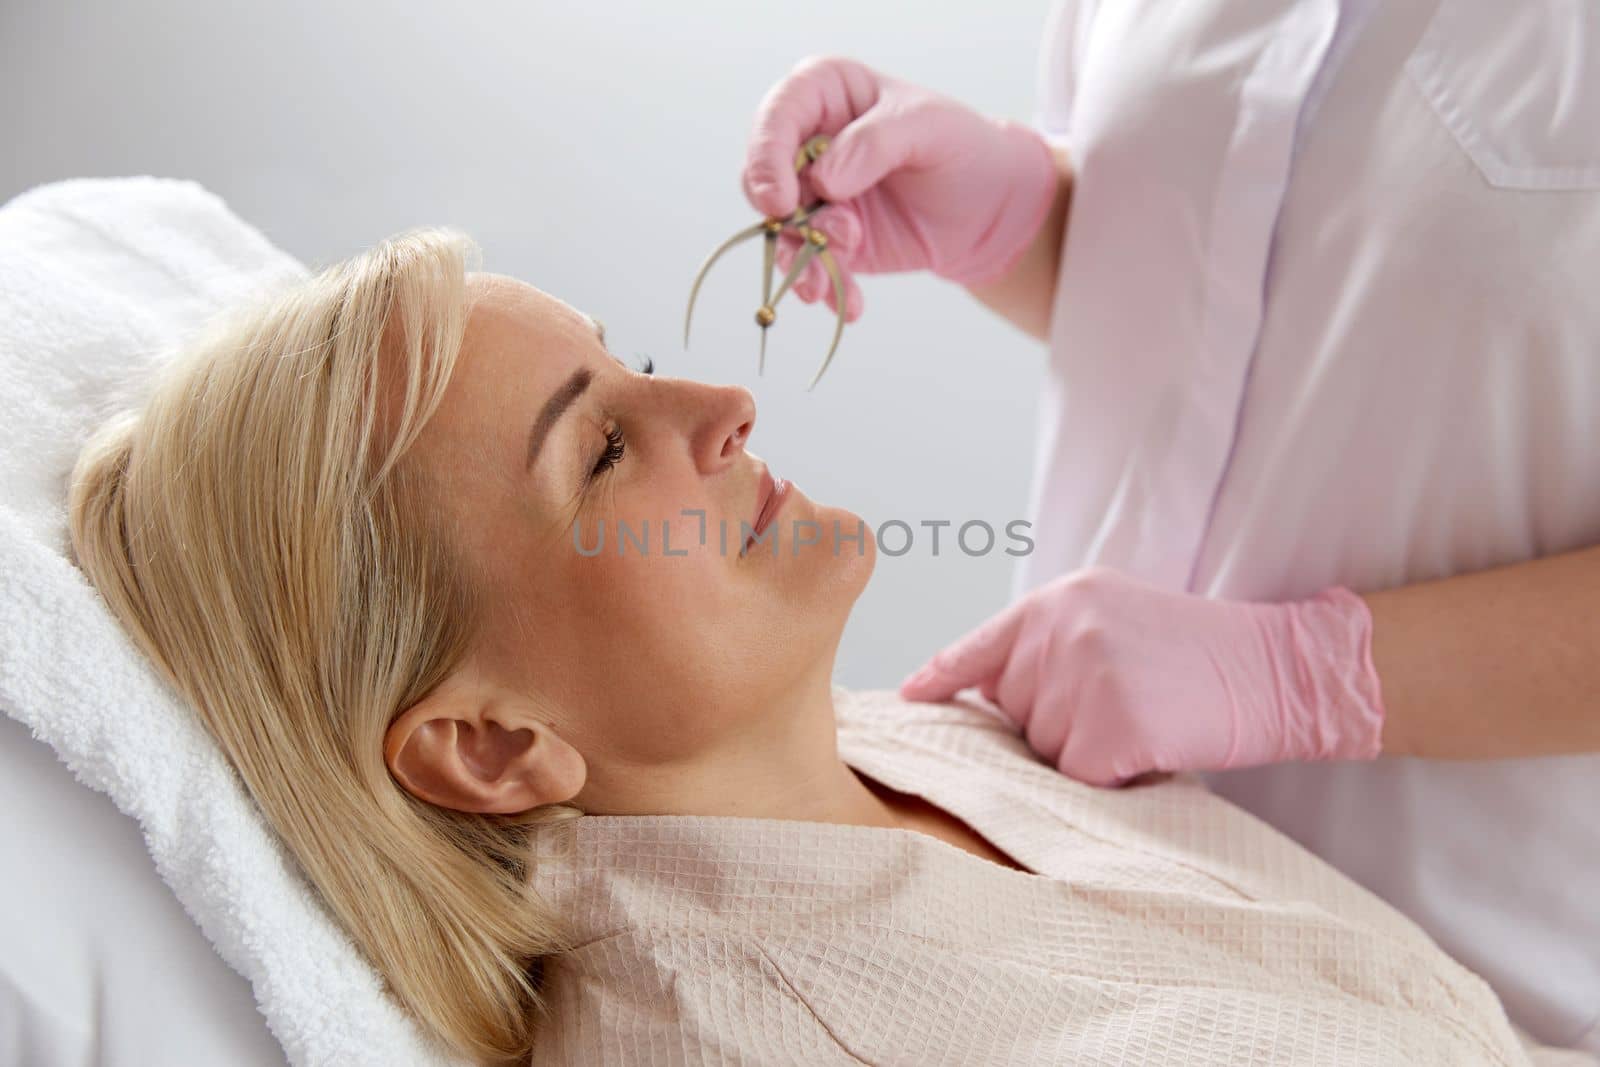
(615,445)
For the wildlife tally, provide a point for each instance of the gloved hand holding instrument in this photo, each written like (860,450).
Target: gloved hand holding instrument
(899,179)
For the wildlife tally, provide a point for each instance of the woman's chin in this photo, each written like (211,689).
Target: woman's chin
(828,543)
(846,541)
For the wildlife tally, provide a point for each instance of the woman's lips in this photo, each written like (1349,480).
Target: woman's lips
(777,491)
(773,492)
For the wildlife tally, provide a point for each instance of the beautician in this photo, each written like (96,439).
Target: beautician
(1317,484)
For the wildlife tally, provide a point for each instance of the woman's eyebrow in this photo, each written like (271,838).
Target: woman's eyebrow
(559,401)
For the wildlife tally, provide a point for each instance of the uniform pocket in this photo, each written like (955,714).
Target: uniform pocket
(1517,83)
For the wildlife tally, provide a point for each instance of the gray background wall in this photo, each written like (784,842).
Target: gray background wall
(593,152)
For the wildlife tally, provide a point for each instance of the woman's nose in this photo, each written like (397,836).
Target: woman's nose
(725,416)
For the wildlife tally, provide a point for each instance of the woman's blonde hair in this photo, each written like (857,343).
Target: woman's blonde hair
(259,530)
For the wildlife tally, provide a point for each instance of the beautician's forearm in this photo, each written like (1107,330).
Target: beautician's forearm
(1025,294)
(1498,663)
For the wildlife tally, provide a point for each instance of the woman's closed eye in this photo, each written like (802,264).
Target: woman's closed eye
(615,445)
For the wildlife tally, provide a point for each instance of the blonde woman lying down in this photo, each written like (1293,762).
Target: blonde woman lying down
(582,805)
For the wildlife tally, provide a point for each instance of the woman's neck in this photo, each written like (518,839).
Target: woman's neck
(776,761)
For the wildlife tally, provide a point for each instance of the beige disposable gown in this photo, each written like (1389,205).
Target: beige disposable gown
(1163,925)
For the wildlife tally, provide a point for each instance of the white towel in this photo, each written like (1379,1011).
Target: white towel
(98,278)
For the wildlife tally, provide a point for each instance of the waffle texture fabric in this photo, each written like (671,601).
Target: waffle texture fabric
(1156,924)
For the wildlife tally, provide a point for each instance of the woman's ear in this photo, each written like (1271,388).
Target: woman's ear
(472,749)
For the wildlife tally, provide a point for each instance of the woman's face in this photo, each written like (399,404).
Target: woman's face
(640,650)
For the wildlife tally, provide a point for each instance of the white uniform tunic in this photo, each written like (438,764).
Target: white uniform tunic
(1329,313)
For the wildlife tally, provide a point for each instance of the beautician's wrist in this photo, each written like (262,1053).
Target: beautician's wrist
(1023,290)
(1338,707)
(1035,180)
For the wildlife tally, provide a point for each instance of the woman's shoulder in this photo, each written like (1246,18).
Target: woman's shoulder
(966,751)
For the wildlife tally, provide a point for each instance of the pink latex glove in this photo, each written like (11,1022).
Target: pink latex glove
(1109,678)
(915,180)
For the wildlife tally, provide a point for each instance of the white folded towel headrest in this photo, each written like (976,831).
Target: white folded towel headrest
(98,279)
